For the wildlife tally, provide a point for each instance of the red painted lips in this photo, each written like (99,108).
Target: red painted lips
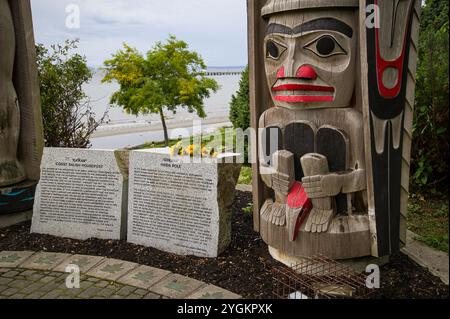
(304,97)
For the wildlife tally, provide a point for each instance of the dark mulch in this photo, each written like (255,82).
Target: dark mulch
(244,268)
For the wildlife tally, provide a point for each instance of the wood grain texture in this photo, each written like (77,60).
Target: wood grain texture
(295,127)
(389,111)
(274,6)
(334,144)
(317,164)
(349,120)
(283,162)
(408,121)
(259,94)
(25,79)
(11,170)
(348,237)
(366,118)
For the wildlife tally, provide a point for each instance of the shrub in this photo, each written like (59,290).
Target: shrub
(430,151)
(239,107)
(66,110)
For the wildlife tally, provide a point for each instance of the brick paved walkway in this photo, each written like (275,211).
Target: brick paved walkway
(29,275)
(36,284)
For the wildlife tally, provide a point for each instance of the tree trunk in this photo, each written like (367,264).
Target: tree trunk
(163,120)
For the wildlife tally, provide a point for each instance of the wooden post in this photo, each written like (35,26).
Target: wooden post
(259,94)
(388,101)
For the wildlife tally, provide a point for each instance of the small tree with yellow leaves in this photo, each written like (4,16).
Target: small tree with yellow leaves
(170,76)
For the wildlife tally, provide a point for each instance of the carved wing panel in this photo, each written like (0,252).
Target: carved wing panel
(389,54)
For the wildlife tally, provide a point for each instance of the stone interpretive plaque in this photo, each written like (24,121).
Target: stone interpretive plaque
(80,195)
(177,206)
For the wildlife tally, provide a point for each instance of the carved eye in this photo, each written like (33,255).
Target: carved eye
(274,50)
(325,46)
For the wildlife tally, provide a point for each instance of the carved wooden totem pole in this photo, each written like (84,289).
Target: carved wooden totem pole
(21,136)
(332,91)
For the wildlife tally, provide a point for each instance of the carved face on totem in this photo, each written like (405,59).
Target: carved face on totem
(310,58)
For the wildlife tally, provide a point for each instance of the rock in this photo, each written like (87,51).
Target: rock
(80,195)
(178,206)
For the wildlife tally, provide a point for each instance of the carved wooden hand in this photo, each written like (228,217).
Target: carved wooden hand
(329,185)
(322,213)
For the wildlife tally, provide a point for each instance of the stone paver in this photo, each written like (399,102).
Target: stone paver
(102,284)
(36,295)
(10,292)
(176,286)
(141,292)
(44,261)
(143,277)
(213,292)
(106,292)
(12,259)
(34,276)
(11,274)
(126,290)
(19,283)
(32,287)
(53,294)
(52,286)
(111,269)
(152,295)
(4,281)
(85,263)
(90,293)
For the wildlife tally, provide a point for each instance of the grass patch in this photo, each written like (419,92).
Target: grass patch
(246,175)
(214,140)
(154,145)
(428,218)
(248,209)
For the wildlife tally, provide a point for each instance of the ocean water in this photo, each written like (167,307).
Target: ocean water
(124,130)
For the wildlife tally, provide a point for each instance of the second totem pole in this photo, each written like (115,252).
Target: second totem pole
(332,95)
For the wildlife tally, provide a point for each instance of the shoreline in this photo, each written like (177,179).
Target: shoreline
(105,131)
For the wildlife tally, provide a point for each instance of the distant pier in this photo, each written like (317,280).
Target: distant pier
(223,73)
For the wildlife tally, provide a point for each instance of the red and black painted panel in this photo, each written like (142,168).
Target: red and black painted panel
(387,104)
(272,138)
(299,140)
(332,145)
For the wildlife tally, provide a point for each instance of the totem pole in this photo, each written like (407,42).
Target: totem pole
(331,93)
(21,135)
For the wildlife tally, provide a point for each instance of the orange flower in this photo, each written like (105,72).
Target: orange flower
(190,149)
(213,153)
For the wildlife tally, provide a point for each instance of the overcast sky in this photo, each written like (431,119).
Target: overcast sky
(217,29)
